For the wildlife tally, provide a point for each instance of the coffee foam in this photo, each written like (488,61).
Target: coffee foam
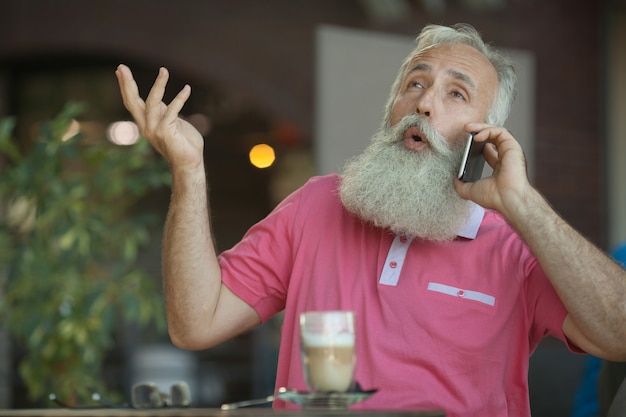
(319,340)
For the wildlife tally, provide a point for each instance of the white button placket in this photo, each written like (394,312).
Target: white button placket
(395,260)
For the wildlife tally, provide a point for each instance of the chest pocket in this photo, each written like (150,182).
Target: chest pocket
(463,294)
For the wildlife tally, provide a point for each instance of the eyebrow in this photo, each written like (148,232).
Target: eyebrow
(458,75)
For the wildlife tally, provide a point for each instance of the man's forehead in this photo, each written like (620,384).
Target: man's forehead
(460,60)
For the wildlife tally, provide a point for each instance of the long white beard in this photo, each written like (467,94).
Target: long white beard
(408,192)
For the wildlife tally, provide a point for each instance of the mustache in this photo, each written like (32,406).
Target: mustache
(436,141)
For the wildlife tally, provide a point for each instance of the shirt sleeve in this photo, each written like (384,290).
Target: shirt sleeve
(546,311)
(258,268)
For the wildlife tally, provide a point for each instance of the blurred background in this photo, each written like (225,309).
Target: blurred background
(263,73)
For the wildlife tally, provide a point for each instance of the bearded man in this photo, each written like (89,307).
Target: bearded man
(407,192)
(454,284)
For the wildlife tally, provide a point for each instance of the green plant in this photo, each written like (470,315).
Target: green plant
(70,235)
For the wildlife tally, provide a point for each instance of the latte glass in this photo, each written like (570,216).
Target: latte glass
(327,349)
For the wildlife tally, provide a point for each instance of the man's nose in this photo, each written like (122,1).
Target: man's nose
(424,105)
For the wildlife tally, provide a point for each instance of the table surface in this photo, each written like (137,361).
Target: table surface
(214,412)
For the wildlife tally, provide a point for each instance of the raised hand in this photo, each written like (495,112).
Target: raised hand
(174,138)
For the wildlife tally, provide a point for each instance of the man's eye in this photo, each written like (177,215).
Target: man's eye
(415,84)
(458,94)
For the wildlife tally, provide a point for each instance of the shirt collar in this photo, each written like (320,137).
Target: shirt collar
(469,230)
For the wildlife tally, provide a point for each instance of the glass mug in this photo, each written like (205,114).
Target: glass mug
(327,349)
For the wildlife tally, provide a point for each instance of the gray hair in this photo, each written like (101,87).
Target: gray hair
(463,33)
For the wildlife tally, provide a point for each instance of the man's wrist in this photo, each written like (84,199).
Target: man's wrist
(188,177)
(526,209)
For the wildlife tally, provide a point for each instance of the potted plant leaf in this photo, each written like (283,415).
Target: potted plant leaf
(72,226)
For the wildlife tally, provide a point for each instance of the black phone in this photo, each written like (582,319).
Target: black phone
(471,168)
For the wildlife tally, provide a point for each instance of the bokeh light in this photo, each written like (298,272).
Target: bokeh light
(123,133)
(262,155)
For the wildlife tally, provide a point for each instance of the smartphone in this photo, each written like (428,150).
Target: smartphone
(471,168)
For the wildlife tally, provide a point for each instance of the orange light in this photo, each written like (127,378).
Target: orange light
(262,155)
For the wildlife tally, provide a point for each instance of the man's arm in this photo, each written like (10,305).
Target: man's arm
(201,311)
(590,284)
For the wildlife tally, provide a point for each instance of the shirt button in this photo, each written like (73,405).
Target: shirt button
(460,293)
(393,264)
(403,239)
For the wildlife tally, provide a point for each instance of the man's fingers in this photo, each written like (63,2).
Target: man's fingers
(153,117)
(176,105)
(155,97)
(129,90)
(491,154)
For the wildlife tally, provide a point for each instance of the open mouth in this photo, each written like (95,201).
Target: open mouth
(414,133)
(414,139)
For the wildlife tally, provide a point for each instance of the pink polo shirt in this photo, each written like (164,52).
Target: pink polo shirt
(439,325)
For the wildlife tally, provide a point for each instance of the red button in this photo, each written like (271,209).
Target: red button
(403,239)
(393,264)
(460,293)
